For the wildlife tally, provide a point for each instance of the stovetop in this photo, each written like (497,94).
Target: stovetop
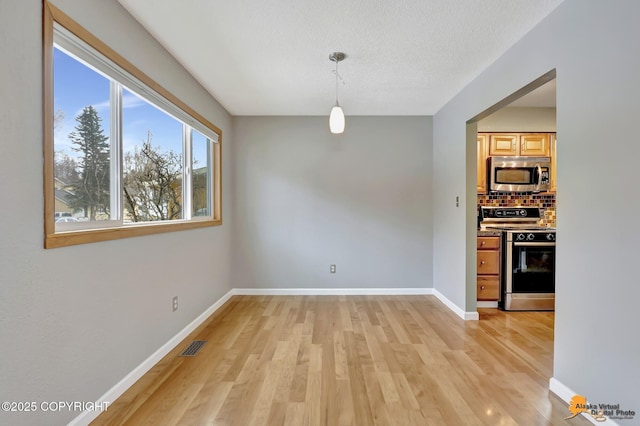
(531,234)
(512,227)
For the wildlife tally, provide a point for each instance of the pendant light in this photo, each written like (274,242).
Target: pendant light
(336,118)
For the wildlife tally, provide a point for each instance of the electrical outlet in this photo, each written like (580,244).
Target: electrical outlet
(175,303)
(457,201)
(332,269)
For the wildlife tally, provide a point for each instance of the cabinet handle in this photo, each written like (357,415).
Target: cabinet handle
(483,243)
(482,262)
(481,287)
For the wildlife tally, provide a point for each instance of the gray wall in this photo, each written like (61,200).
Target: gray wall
(306,199)
(76,320)
(593,47)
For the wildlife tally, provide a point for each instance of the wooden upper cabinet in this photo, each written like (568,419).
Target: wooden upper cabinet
(535,145)
(523,144)
(483,152)
(503,144)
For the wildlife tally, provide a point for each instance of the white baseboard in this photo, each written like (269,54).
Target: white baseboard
(331,291)
(356,292)
(485,304)
(559,388)
(471,316)
(467,316)
(565,393)
(119,388)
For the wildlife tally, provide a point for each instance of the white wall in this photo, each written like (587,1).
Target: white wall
(520,119)
(593,47)
(76,320)
(306,199)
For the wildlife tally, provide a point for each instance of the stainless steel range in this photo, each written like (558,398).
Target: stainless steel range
(528,258)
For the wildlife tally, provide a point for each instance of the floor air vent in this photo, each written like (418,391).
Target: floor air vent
(193,348)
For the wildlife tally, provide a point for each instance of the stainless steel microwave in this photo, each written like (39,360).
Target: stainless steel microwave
(519,174)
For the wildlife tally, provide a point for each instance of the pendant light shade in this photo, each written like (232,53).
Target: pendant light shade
(336,118)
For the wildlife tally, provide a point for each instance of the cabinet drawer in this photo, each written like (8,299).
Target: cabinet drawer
(488,288)
(488,243)
(488,262)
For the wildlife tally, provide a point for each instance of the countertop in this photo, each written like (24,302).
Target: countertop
(489,233)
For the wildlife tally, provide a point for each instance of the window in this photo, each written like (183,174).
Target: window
(123,157)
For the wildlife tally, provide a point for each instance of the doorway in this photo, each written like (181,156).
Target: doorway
(532,109)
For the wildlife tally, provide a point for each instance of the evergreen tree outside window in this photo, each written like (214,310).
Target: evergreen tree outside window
(91,189)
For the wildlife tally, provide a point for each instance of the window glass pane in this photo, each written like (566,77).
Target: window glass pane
(152,169)
(81,141)
(201,175)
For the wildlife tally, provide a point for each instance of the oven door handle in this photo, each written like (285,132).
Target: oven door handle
(533,244)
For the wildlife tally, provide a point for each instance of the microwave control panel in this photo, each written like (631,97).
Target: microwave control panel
(544,177)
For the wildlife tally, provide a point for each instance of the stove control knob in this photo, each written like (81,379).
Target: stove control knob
(551,237)
(523,213)
(520,237)
(530,237)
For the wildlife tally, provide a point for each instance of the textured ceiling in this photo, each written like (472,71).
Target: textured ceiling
(404,57)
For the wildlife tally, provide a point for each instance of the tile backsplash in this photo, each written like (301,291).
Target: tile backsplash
(546,203)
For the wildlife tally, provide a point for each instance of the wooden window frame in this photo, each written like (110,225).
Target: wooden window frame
(53,239)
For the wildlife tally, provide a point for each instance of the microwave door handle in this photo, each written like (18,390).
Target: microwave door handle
(539,184)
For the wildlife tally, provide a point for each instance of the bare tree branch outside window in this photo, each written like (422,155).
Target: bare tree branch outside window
(152,184)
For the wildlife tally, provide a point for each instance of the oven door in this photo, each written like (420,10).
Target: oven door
(533,267)
(530,276)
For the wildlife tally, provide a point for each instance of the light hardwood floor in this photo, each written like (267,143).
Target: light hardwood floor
(352,360)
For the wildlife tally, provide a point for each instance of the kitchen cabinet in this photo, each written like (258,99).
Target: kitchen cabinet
(554,157)
(488,268)
(483,153)
(503,145)
(535,145)
(524,144)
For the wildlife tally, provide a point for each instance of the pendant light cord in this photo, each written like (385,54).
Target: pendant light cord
(338,76)
(337,83)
